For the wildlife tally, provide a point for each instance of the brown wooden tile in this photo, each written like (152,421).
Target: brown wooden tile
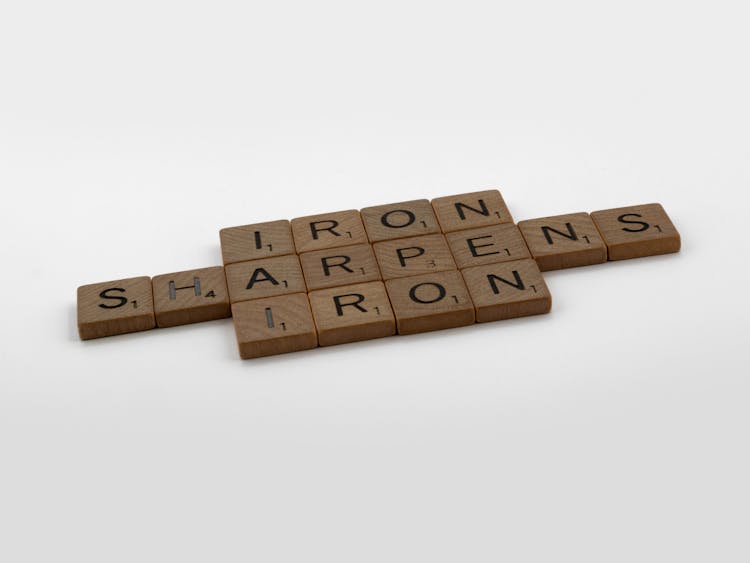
(115,307)
(192,296)
(399,220)
(564,241)
(253,242)
(281,275)
(339,266)
(274,325)
(430,302)
(471,210)
(507,290)
(636,231)
(413,256)
(487,245)
(352,313)
(328,230)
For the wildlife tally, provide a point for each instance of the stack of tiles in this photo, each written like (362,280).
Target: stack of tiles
(400,268)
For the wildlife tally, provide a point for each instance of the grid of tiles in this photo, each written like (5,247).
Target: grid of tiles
(400,268)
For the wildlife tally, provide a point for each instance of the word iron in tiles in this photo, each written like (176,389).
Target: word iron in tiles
(400,268)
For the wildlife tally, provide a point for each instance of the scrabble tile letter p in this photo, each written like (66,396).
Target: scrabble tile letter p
(193,296)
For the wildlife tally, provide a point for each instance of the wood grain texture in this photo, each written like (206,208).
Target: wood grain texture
(413,256)
(637,231)
(352,313)
(564,241)
(115,307)
(192,296)
(328,230)
(269,277)
(507,290)
(345,265)
(471,210)
(487,245)
(274,325)
(253,242)
(430,302)
(399,220)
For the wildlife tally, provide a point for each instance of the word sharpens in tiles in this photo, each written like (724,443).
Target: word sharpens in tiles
(401,268)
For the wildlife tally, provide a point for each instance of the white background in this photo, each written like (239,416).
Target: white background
(613,429)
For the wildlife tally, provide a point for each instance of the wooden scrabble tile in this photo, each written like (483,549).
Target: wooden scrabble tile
(352,313)
(274,325)
(430,302)
(413,256)
(468,211)
(507,290)
(253,242)
(487,245)
(636,231)
(399,220)
(115,307)
(192,296)
(564,241)
(328,230)
(339,266)
(264,278)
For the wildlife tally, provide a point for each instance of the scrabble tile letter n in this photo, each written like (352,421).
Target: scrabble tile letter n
(472,210)
(193,296)
(640,230)
(116,307)
(564,241)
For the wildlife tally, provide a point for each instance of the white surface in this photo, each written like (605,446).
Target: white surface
(613,429)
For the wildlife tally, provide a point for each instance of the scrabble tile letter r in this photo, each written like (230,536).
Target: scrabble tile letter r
(328,230)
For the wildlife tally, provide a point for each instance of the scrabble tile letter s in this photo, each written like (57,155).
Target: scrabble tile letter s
(640,230)
(116,307)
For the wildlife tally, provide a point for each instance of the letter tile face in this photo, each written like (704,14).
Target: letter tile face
(328,230)
(339,266)
(487,245)
(264,278)
(413,256)
(192,296)
(472,210)
(352,313)
(636,231)
(430,302)
(116,307)
(564,241)
(274,325)
(253,242)
(399,220)
(507,290)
